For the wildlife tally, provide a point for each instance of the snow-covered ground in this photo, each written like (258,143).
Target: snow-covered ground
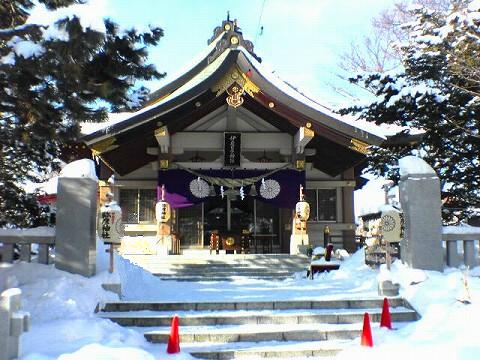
(64,325)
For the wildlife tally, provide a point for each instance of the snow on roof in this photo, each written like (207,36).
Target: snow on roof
(304,99)
(358,124)
(197,79)
(414,165)
(88,128)
(195,60)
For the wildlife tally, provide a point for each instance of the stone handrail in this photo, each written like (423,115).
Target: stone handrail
(467,236)
(44,237)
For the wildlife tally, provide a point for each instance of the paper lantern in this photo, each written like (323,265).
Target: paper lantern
(162,211)
(302,210)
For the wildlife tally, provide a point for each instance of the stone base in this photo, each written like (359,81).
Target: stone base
(298,244)
(387,288)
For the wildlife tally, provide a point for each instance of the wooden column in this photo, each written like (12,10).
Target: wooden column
(348,210)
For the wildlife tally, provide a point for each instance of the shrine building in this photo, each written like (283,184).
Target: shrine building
(232,143)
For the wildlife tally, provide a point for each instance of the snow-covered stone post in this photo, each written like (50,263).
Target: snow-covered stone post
(75,244)
(419,186)
(13,323)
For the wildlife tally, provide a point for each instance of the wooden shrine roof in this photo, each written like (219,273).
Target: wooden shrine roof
(203,88)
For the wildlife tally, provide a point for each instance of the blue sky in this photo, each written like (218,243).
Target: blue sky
(302,39)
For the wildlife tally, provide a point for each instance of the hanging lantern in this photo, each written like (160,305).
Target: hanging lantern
(302,208)
(162,209)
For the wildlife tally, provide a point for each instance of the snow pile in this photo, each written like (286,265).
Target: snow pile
(354,278)
(445,329)
(80,168)
(414,165)
(462,229)
(38,231)
(64,325)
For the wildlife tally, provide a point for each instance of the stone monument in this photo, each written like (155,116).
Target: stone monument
(75,243)
(419,187)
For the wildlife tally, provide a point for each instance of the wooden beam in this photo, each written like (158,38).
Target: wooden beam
(163,138)
(302,138)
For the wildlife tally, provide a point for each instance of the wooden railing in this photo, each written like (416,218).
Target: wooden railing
(458,244)
(24,239)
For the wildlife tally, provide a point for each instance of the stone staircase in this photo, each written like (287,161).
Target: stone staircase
(263,329)
(202,266)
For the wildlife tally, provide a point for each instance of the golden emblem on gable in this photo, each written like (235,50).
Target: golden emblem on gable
(234,97)
(235,83)
(359,146)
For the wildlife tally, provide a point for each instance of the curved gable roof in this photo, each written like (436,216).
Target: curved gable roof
(197,91)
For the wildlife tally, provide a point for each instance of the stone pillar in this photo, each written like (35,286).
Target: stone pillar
(469,254)
(419,187)
(75,243)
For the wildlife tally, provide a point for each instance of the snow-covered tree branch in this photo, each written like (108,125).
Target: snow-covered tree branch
(54,75)
(436,91)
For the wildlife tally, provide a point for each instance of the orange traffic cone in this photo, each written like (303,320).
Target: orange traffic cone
(386,320)
(174,339)
(366,332)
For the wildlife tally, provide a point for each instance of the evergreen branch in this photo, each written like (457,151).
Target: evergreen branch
(459,127)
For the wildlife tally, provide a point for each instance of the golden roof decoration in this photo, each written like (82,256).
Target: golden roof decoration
(104,146)
(359,146)
(235,83)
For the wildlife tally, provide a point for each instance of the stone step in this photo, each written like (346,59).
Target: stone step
(212,267)
(206,278)
(123,306)
(230,272)
(226,266)
(262,329)
(258,333)
(219,267)
(209,268)
(225,259)
(209,318)
(287,349)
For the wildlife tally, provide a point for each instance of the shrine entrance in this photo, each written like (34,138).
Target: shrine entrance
(261,221)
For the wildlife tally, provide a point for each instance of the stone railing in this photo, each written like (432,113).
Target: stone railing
(24,238)
(461,240)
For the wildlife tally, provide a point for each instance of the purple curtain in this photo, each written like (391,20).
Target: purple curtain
(183,189)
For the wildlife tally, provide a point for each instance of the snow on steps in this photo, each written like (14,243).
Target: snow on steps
(228,330)
(213,267)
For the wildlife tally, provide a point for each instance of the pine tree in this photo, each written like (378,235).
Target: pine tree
(437,91)
(52,78)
